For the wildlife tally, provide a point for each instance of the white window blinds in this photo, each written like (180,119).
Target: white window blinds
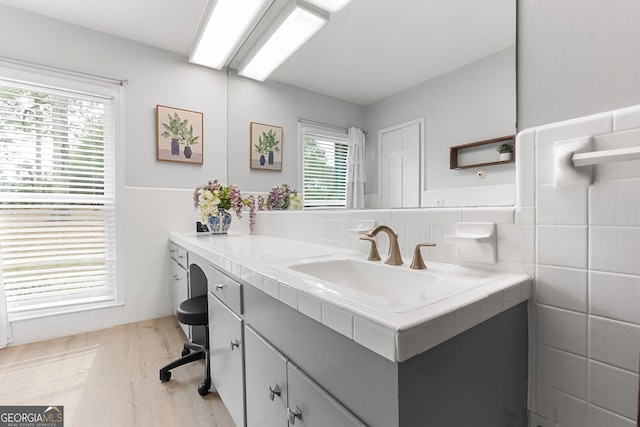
(57,196)
(324,168)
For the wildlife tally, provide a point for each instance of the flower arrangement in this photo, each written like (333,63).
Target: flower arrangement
(213,196)
(280,197)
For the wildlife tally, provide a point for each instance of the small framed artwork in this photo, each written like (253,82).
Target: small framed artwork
(179,135)
(266,147)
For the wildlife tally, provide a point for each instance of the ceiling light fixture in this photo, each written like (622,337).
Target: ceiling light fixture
(300,23)
(332,6)
(226,23)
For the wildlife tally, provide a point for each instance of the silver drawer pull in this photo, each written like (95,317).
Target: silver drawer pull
(219,286)
(293,414)
(175,277)
(235,344)
(273,392)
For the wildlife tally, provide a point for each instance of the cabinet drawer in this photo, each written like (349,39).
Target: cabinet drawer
(266,382)
(173,251)
(311,406)
(224,288)
(182,257)
(226,347)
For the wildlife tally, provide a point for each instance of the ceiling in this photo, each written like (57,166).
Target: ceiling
(368,51)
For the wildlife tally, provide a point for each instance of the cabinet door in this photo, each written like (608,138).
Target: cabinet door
(311,406)
(266,382)
(179,289)
(226,347)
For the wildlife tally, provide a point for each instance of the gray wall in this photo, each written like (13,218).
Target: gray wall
(576,57)
(472,103)
(155,77)
(279,105)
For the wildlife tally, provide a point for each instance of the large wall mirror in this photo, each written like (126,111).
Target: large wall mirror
(448,65)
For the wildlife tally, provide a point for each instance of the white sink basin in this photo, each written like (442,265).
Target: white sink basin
(392,289)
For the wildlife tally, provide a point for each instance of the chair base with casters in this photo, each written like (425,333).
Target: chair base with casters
(193,311)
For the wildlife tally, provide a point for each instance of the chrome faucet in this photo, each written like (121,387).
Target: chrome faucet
(394,257)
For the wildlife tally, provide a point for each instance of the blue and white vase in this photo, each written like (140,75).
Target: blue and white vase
(219,223)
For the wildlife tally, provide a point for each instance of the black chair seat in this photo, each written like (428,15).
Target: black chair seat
(193,311)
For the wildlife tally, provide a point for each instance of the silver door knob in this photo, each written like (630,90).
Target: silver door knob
(273,392)
(235,344)
(293,414)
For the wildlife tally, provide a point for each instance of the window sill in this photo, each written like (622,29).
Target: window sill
(57,311)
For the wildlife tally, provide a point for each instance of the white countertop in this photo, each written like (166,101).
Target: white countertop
(262,262)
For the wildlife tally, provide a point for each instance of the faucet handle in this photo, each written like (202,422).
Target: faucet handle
(373,253)
(418,263)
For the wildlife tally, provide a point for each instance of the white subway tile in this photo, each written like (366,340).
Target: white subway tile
(562,329)
(492,306)
(270,287)
(546,401)
(570,412)
(615,203)
(563,371)
(424,337)
(613,389)
(497,215)
(438,231)
(516,243)
(444,215)
(615,343)
(563,246)
(599,417)
(338,319)
(525,216)
(310,306)
(615,296)
(467,317)
(288,295)
(375,337)
(561,206)
(615,249)
(626,118)
(562,287)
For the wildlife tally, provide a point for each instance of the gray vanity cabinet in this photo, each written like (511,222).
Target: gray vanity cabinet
(311,406)
(266,376)
(280,394)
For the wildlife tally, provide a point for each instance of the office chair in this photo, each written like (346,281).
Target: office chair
(193,311)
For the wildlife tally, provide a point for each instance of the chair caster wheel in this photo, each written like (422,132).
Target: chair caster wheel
(165,376)
(185,352)
(203,390)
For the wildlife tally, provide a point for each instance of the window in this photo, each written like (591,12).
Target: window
(57,196)
(324,168)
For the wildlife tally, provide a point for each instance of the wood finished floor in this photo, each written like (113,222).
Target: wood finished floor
(110,378)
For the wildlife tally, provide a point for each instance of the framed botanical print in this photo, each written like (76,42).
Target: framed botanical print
(266,146)
(179,135)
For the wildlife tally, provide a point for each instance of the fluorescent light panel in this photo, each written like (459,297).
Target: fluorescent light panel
(296,29)
(226,24)
(330,5)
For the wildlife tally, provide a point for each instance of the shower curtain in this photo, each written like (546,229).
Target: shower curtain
(355,169)
(5,327)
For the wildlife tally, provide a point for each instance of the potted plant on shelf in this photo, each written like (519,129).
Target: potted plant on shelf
(174,130)
(506,151)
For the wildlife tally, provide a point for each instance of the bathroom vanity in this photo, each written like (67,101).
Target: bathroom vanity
(287,348)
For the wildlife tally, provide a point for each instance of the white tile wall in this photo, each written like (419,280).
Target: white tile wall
(587,278)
